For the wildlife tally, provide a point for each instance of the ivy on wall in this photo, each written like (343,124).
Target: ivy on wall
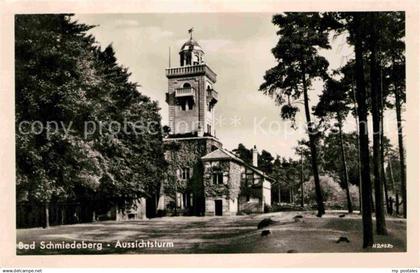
(214,190)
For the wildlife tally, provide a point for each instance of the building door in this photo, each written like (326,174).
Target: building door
(218,204)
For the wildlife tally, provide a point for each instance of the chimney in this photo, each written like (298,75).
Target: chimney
(255,156)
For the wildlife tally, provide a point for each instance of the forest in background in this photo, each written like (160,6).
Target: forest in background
(370,83)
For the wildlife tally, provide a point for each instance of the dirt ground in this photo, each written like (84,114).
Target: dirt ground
(238,234)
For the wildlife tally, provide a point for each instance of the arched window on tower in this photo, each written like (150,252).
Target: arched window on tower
(196,58)
(186,103)
(188,58)
(181,58)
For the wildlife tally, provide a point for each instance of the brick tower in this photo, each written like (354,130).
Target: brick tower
(191,99)
(191,96)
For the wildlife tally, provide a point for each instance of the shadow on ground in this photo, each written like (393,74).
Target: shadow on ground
(237,234)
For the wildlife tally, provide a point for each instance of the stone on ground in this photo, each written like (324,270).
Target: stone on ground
(265,223)
(265,232)
(343,239)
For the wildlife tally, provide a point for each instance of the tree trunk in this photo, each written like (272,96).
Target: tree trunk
(302,202)
(391,173)
(344,165)
(312,144)
(47,215)
(63,215)
(383,176)
(398,104)
(386,191)
(117,212)
(374,80)
(363,134)
(358,149)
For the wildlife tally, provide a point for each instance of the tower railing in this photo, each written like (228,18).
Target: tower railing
(184,91)
(190,70)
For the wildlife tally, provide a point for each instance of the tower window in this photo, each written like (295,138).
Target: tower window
(188,59)
(182,59)
(209,129)
(209,104)
(196,59)
(186,104)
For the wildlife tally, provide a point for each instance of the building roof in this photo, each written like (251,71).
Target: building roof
(223,154)
(217,154)
(191,44)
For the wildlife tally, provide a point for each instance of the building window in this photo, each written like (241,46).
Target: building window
(249,178)
(209,129)
(217,177)
(179,199)
(186,103)
(185,173)
(257,180)
(186,199)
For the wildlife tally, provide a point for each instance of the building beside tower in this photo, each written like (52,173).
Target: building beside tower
(204,178)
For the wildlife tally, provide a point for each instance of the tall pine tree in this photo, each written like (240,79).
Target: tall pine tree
(298,64)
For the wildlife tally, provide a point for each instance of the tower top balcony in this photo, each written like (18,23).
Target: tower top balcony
(191,70)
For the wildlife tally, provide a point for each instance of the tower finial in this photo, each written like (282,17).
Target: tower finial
(190,31)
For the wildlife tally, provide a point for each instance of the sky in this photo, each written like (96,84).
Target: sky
(237,47)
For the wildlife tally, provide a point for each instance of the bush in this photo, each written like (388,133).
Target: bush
(161,213)
(334,195)
(267,208)
(286,207)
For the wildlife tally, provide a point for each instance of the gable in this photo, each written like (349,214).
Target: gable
(222,154)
